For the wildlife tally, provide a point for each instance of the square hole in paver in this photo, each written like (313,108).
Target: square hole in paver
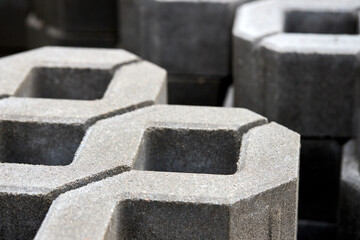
(140,219)
(189,150)
(65,83)
(39,144)
(321,22)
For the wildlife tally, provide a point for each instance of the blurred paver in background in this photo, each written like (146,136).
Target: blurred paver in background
(295,63)
(190,39)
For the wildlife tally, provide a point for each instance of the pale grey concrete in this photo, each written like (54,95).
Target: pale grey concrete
(197,173)
(51,97)
(287,69)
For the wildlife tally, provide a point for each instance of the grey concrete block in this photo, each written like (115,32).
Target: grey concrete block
(196,90)
(51,96)
(287,69)
(39,33)
(185,37)
(197,173)
(12,26)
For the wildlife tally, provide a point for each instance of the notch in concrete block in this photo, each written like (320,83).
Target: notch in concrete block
(321,22)
(189,150)
(36,143)
(65,83)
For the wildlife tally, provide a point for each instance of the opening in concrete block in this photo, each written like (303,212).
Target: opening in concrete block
(65,83)
(39,144)
(321,22)
(22,215)
(189,150)
(170,220)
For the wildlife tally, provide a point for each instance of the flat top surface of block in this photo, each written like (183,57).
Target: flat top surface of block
(104,147)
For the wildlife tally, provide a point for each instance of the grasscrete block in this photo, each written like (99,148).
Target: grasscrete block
(50,97)
(195,173)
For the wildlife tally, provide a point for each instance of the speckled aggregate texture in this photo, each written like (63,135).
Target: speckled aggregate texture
(177,188)
(43,119)
(295,63)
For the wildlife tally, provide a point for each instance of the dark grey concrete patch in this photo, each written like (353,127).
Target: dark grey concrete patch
(159,31)
(196,90)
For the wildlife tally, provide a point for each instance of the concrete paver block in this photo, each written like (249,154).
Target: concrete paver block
(159,31)
(295,63)
(197,173)
(51,96)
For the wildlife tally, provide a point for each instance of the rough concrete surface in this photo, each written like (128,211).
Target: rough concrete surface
(51,97)
(295,63)
(197,173)
(159,31)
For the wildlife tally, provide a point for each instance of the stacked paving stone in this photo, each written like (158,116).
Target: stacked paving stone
(12,26)
(230,175)
(295,62)
(72,23)
(190,39)
(51,96)
(161,172)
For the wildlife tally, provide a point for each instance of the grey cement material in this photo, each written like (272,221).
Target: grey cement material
(51,97)
(12,27)
(39,33)
(349,212)
(320,164)
(77,15)
(196,90)
(287,69)
(159,31)
(230,175)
